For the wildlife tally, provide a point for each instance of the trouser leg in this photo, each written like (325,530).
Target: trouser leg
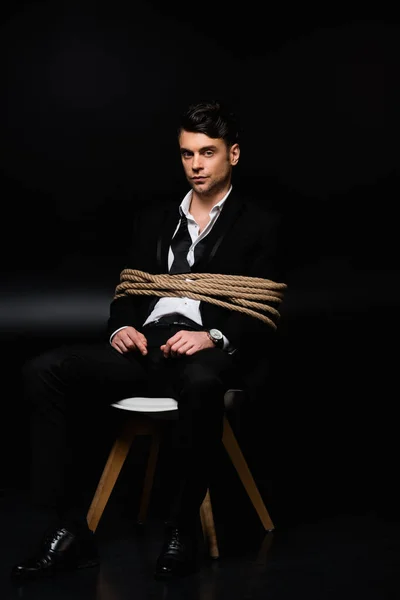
(67,388)
(203,379)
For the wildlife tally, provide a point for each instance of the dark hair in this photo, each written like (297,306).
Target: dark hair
(212,118)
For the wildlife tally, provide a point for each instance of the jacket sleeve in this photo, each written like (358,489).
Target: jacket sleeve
(267,261)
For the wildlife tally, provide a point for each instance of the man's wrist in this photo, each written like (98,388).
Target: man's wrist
(216,337)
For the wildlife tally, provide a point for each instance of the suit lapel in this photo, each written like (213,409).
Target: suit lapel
(213,240)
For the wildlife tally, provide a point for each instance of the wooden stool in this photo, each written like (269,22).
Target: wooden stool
(145,418)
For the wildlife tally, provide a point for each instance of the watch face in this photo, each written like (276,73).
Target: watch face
(215,333)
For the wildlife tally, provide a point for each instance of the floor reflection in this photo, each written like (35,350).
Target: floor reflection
(343,556)
(224,577)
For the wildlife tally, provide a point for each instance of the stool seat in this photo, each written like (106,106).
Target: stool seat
(147,405)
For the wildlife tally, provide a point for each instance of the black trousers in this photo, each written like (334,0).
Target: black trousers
(68,386)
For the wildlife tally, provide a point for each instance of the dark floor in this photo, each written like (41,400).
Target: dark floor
(354,555)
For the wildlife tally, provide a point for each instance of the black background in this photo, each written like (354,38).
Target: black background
(90,93)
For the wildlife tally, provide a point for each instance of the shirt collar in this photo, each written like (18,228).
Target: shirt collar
(184,205)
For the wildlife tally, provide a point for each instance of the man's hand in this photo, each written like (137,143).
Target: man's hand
(128,339)
(186,342)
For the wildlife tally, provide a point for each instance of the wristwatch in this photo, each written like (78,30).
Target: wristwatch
(216,337)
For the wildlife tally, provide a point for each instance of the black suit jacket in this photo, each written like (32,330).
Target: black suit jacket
(245,240)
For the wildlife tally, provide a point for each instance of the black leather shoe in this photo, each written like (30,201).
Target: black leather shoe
(178,555)
(61,550)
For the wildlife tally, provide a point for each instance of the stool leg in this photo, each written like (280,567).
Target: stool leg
(208,526)
(239,462)
(110,474)
(149,477)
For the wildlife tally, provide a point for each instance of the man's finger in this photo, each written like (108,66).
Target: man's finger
(166,349)
(142,347)
(172,340)
(130,343)
(139,340)
(178,348)
(120,346)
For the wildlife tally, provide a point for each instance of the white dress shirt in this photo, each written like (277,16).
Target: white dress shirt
(187,306)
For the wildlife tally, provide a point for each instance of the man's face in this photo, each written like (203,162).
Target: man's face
(207,162)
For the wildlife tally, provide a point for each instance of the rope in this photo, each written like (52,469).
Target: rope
(239,293)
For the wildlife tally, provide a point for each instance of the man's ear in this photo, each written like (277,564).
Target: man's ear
(234,154)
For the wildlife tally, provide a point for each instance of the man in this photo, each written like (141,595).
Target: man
(168,343)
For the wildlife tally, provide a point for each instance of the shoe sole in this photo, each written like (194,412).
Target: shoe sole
(25,576)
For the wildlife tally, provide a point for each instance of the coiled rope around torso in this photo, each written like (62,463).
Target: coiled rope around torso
(254,296)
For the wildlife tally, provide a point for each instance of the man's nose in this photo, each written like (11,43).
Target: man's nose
(196,162)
